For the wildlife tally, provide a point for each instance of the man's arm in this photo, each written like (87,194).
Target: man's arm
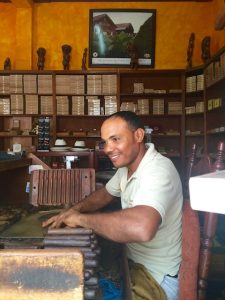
(137,224)
(93,202)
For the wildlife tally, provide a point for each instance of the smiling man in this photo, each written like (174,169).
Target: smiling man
(151,198)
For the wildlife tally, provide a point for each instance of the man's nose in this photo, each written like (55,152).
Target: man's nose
(108,147)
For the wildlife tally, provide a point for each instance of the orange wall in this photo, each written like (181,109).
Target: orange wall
(16,36)
(8,32)
(50,25)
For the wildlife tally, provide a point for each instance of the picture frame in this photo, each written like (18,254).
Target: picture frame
(119,37)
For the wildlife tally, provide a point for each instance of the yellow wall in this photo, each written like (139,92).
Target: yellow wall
(50,25)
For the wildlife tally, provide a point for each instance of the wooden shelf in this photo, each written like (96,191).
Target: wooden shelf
(167,80)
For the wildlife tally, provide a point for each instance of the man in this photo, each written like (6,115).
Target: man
(151,198)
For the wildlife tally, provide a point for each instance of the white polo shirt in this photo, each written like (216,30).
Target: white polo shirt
(155,183)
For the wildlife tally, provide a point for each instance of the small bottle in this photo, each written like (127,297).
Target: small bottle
(148,136)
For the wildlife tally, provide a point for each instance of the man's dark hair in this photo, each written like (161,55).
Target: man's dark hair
(133,121)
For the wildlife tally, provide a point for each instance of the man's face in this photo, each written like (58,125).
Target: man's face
(121,143)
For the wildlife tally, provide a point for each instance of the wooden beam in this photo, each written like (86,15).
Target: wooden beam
(38,161)
(220,19)
(22,3)
(49,1)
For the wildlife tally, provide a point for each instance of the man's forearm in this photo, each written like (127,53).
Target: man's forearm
(94,202)
(121,226)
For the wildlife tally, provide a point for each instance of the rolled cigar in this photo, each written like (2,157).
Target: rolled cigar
(97,251)
(66,243)
(90,271)
(89,254)
(21,246)
(93,287)
(87,275)
(94,242)
(93,245)
(70,231)
(91,281)
(93,236)
(87,249)
(90,263)
(68,237)
(90,294)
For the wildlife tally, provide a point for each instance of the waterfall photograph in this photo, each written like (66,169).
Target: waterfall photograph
(118,37)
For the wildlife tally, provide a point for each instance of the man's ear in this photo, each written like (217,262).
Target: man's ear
(139,135)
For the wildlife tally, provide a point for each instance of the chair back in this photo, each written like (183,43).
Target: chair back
(209,230)
(219,163)
(188,275)
(195,255)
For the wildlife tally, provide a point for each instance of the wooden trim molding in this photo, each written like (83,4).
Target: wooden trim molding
(49,1)
(220,19)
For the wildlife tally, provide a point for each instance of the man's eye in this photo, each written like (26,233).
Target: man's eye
(115,139)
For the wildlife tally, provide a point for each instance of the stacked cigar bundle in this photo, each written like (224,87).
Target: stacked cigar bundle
(84,240)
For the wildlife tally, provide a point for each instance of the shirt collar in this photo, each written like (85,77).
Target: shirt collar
(149,155)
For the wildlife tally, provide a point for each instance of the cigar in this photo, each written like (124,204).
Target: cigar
(89,254)
(91,281)
(88,273)
(93,236)
(70,231)
(66,243)
(89,294)
(91,263)
(94,242)
(68,237)
(93,245)
(97,250)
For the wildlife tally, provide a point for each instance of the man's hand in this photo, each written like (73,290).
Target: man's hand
(69,218)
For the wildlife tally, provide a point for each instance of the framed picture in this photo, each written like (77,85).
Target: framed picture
(119,37)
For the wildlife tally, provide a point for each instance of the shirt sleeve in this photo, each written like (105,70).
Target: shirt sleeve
(113,185)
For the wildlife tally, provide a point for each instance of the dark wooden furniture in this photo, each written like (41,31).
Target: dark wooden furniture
(158,85)
(13,180)
(210,222)
(52,188)
(174,130)
(84,158)
(188,274)
(197,167)
(164,92)
(205,128)
(7,165)
(194,108)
